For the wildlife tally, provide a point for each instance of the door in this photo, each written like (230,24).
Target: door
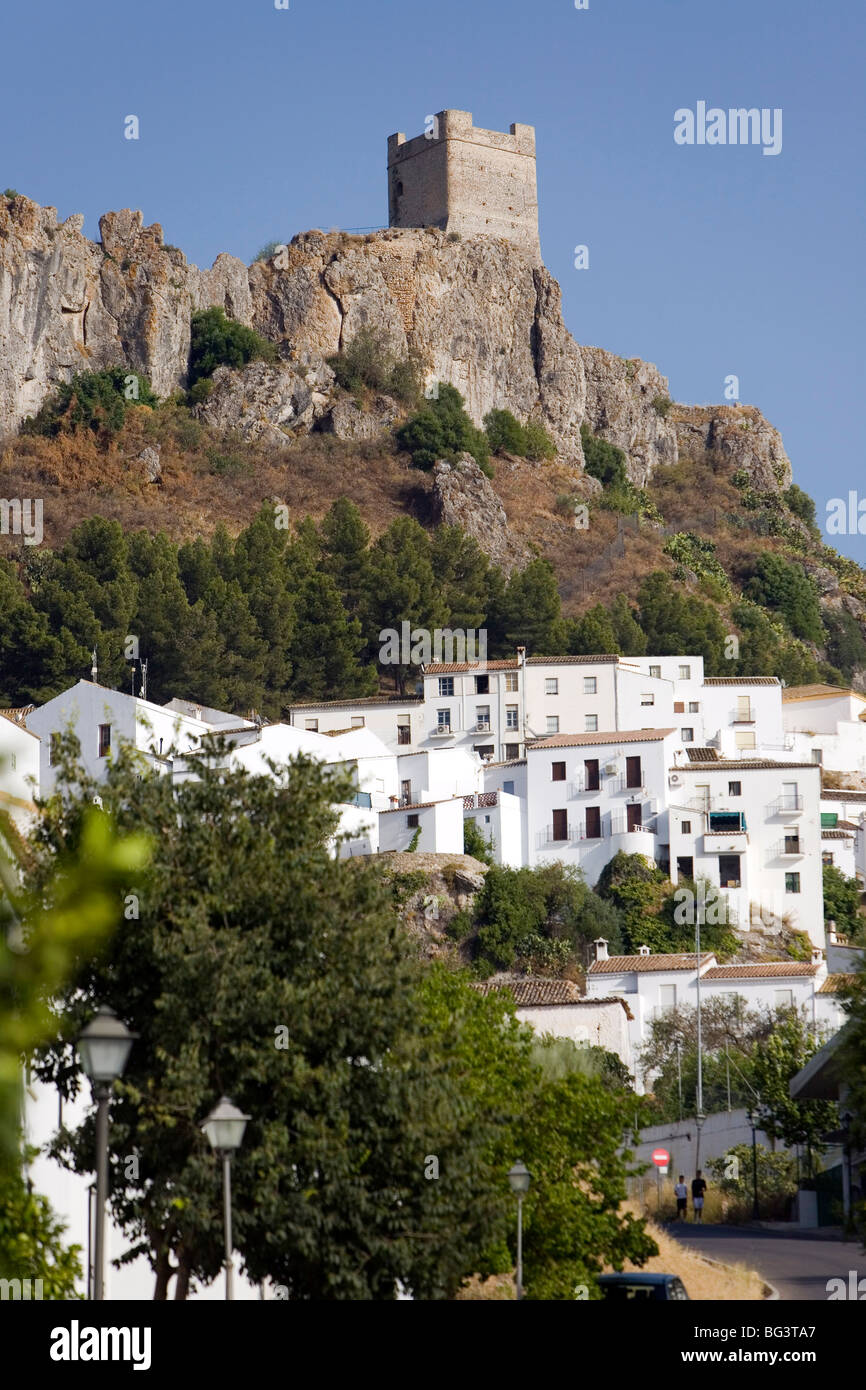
(702,797)
(593,822)
(591,774)
(406,793)
(744,709)
(560,825)
(633,773)
(729,870)
(634,817)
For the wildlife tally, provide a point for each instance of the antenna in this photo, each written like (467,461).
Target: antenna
(144,678)
(94,669)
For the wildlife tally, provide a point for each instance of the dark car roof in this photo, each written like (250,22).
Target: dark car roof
(641,1278)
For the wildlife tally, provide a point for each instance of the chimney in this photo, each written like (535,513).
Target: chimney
(600,945)
(831,931)
(643,951)
(817,955)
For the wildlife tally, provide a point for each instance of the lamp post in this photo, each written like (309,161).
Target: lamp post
(520,1178)
(755,1212)
(224,1128)
(103,1047)
(680,1074)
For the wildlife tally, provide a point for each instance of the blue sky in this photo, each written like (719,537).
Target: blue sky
(258,123)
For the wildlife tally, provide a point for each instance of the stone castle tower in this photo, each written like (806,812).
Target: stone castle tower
(466,180)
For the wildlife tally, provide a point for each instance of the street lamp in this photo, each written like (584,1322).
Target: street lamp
(224,1128)
(755,1211)
(519,1176)
(103,1047)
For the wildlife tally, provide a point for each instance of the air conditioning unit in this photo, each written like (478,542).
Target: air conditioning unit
(610,769)
(482,727)
(675,779)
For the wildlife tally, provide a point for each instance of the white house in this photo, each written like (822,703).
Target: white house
(558,1008)
(19,767)
(743,715)
(440,824)
(753,829)
(397,720)
(592,795)
(500,817)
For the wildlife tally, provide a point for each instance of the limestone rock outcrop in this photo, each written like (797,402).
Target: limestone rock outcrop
(462,496)
(267,403)
(625,404)
(741,435)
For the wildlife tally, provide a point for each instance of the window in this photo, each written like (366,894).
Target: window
(685,866)
(694,706)
(667,997)
(551,686)
(591,775)
(744,738)
(633,772)
(792,883)
(511,680)
(482,716)
(735,789)
(685,673)
(512,751)
(687,735)
(648,698)
(404,733)
(829,820)
(553,723)
(406,793)
(826,857)
(590,724)
(482,685)
(557,772)
(484,750)
(685,827)
(593,822)
(679,707)
(311,726)
(104,740)
(358,721)
(446,686)
(790,800)
(511,716)
(560,825)
(443,720)
(729,871)
(744,710)
(412,821)
(53,749)
(633,817)
(792,840)
(784,998)
(817,756)
(590,685)
(656,672)
(508,788)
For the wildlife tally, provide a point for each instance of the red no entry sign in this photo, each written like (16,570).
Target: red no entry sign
(661,1158)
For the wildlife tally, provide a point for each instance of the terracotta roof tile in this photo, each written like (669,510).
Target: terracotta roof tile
(818,692)
(591,740)
(742,680)
(530,992)
(834,983)
(619,965)
(453,668)
(771,969)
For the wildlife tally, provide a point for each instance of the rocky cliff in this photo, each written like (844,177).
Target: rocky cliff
(476,313)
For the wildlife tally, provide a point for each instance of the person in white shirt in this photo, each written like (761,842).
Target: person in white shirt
(681,1192)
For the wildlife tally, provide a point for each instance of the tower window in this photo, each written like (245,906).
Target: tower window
(399,188)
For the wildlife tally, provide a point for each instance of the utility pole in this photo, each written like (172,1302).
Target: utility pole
(699,1099)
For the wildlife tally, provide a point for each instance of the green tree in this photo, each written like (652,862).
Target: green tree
(675,622)
(402,587)
(505,433)
(474,842)
(603,460)
(785,1052)
(842,901)
(217,341)
(628,634)
(326,647)
(443,430)
(97,401)
(528,612)
(345,540)
(778,584)
(593,633)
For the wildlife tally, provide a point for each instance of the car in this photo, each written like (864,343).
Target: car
(619,1286)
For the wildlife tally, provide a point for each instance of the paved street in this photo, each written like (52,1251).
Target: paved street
(797,1265)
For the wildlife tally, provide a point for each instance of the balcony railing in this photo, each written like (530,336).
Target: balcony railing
(545,838)
(737,716)
(479,802)
(785,805)
(615,785)
(790,847)
(619,826)
(581,788)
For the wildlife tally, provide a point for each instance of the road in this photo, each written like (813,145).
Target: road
(797,1265)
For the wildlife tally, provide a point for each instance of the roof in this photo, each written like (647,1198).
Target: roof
(591,740)
(604,659)
(365,700)
(620,965)
(510,762)
(741,765)
(837,834)
(702,755)
(19,724)
(536,993)
(834,983)
(820,1078)
(453,668)
(818,692)
(766,970)
(742,680)
(419,805)
(18,713)
(846,794)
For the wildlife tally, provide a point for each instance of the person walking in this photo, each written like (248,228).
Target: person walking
(699,1187)
(681,1192)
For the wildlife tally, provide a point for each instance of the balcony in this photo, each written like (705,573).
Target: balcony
(580,788)
(617,785)
(619,826)
(789,805)
(737,716)
(790,847)
(725,842)
(545,839)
